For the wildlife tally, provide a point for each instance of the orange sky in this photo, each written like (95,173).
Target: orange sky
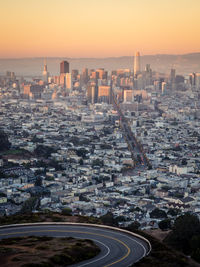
(98,28)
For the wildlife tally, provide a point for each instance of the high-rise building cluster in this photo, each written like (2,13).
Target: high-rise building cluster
(44,88)
(129,85)
(194,80)
(65,77)
(9,79)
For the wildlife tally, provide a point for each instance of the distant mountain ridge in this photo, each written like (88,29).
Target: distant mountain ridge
(184,64)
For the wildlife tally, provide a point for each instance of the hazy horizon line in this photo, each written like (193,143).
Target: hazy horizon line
(50,57)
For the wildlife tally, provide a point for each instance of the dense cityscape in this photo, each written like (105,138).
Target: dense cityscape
(100,133)
(124,142)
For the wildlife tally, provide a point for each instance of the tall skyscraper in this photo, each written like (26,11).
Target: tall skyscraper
(192,79)
(45,73)
(92,93)
(94,75)
(173,79)
(128,95)
(148,75)
(74,74)
(172,75)
(104,93)
(64,67)
(102,73)
(136,68)
(65,80)
(197,85)
(164,88)
(85,76)
(68,81)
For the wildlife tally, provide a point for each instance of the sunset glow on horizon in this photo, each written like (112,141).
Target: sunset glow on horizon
(90,28)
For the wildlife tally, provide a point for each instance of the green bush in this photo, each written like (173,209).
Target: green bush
(165,224)
(67,212)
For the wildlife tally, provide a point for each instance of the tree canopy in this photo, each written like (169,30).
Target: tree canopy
(185,235)
(4,142)
(157,213)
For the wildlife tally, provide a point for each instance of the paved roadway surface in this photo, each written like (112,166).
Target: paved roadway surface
(117,249)
(134,146)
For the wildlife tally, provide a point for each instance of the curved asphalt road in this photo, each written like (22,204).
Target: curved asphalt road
(118,249)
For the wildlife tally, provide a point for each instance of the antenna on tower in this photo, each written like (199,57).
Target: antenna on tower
(45,72)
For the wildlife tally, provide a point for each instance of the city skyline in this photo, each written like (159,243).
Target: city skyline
(92,29)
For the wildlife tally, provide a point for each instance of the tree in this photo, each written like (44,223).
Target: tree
(25,134)
(157,213)
(44,151)
(81,162)
(165,188)
(195,242)
(120,219)
(83,198)
(97,162)
(81,152)
(4,142)
(173,212)
(179,195)
(184,161)
(106,146)
(35,139)
(150,167)
(29,205)
(165,224)
(185,228)
(138,209)
(108,219)
(196,255)
(66,212)
(133,226)
(40,172)
(54,164)
(75,140)
(38,181)
(139,158)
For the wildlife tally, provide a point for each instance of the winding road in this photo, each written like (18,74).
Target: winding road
(118,248)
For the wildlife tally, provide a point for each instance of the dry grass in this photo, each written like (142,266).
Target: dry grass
(45,251)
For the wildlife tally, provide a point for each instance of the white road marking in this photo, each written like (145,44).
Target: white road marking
(108,252)
(100,230)
(145,251)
